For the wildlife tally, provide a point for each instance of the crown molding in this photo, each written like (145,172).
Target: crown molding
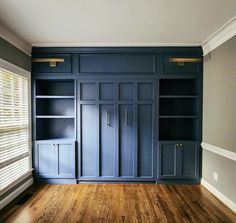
(224,33)
(114,44)
(14,40)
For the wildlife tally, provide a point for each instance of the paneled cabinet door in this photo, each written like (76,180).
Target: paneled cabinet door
(55,160)
(97,133)
(126,141)
(66,160)
(46,160)
(188,160)
(168,161)
(178,160)
(107,141)
(145,129)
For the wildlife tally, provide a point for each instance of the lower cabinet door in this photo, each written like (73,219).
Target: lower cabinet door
(55,160)
(178,161)
(167,161)
(46,160)
(66,160)
(188,160)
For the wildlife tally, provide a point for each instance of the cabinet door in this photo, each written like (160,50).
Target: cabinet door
(145,140)
(126,141)
(168,161)
(89,140)
(145,128)
(66,160)
(107,141)
(188,158)
(46,160)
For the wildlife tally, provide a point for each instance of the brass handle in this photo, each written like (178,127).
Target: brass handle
(180,61)
(52,61)
(126,117)
(108,115)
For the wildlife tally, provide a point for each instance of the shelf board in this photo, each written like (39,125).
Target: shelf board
(177,116)
(56,140)
(55,116)
(178,141)
(54,96)
(178,96)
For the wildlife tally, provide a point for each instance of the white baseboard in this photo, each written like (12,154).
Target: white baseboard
(219,195)
(15,193)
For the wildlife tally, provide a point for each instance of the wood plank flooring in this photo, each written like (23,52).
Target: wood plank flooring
(120,203)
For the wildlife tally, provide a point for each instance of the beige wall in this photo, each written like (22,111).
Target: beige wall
(219,116)
(219,101)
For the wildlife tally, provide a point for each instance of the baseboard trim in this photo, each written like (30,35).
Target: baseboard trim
(219,195)
(15,193)
(55,181)
(219,151)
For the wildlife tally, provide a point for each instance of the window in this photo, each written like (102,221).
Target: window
(15,161)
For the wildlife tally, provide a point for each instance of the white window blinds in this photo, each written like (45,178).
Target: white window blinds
(14,128)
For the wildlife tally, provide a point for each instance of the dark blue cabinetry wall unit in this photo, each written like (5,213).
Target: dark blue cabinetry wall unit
(117,114)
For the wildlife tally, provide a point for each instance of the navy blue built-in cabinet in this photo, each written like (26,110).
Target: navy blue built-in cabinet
(117,114)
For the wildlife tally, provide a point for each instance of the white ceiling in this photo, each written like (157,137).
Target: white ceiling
(115,22)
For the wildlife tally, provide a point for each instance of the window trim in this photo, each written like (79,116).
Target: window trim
(22,72)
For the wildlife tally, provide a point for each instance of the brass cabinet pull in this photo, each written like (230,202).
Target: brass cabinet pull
(126,117)
(52,61)
(180,61)
(108,115)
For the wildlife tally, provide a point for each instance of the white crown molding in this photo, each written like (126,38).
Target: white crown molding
(14,40)
(219,195)
(113,44)
(224,33)
(219,151)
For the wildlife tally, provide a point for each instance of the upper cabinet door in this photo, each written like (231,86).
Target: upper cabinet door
(172,66)
(46,64)
(117,63)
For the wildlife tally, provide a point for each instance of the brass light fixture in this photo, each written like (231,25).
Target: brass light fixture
(181,61)
(52,61)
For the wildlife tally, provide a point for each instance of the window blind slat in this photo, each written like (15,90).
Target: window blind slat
(14,127)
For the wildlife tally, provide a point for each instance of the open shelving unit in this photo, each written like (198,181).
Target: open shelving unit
(178,109)
(55,109)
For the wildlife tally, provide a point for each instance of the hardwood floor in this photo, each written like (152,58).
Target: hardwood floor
(120,203)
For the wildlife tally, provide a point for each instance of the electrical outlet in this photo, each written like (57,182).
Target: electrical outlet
(215,176)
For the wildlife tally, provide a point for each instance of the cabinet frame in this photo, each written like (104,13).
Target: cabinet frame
(159,73)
